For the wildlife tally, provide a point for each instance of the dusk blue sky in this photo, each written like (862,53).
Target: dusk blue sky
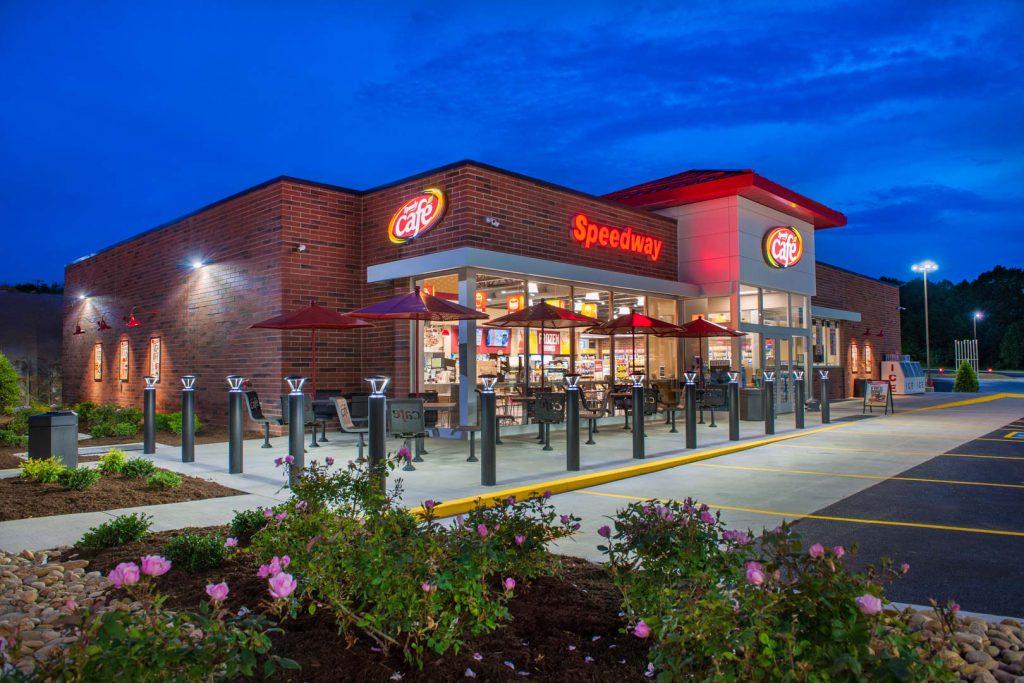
(906,116)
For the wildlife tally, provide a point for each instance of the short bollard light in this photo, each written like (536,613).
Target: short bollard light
(572,422)
(638,414)
(235,421)
(734,406)
(690,408)
(377,414)
(769,402)
(149,416)
(188,418)
(488,431)
(826,411)
(296,425)
(798,408)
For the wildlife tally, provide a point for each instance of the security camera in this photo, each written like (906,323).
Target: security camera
(492,221)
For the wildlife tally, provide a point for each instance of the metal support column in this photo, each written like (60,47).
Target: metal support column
(188,418)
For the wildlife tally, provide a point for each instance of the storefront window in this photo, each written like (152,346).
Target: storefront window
(750,305)
(439,343)
(662,362)
(797,310)
(776,308)
(593,351)
(630,352)
(549,349)
(825,340)
(750,354)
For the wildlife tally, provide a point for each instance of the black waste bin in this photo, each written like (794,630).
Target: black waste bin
(860,388)
(752,404)
(56,434)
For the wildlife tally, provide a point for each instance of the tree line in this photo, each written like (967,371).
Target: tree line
(997,294)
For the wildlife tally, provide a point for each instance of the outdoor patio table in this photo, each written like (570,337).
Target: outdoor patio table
(447,407)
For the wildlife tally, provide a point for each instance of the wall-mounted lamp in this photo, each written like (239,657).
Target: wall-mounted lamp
(197,264)
(82,297)
(102,325)
(132,320)
(78,329)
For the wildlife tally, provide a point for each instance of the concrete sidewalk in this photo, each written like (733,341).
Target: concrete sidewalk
(445,474)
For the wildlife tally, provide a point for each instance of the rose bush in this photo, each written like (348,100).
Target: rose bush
(719,605)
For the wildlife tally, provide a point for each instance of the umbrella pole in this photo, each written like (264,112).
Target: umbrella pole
(541,344)
(312,384)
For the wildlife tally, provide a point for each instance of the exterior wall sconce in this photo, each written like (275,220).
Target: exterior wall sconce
(78,329)
(102,325)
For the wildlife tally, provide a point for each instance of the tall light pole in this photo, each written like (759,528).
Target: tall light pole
(925,267)
(978,315)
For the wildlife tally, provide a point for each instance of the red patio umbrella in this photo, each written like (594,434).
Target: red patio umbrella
(544,315)
(633,323)
(699,329)
(312,318)
(417,305)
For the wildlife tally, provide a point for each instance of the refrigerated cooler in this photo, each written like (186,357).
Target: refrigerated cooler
(905,376)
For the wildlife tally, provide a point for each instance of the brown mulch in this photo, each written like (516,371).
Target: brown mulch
(27,498)
(579,608)
(8,461)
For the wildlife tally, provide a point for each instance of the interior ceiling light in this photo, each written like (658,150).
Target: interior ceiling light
(532,288)
(592,296)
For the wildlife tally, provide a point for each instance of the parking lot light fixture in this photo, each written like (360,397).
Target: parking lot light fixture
(925,267)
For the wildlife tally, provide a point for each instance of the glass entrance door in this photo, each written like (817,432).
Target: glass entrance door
(778,359)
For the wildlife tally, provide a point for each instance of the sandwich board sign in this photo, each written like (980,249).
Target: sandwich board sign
(878,394)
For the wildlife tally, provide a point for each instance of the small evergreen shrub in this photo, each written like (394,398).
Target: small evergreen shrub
(9,437)
(85,410)
(966,379)
(44,471)
(117,532)
(246,523)
(113,461)
(163,422)
(138,467)
(174,423)
(196,552)
(163,479)
(10,389)
(125,429)
(79,479)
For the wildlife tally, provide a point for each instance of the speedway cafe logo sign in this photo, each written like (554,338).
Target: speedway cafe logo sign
(417,216)
(783,247)
(591,234)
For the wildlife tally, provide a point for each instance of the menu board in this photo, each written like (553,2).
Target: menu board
(878,394)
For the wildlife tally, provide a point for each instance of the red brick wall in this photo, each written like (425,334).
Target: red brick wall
(878,303)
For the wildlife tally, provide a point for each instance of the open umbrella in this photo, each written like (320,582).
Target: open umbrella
(634,323)
(417,305)
(701,329)
(312,318)
(543,315)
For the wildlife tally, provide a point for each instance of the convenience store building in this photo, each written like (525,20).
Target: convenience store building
(732,246)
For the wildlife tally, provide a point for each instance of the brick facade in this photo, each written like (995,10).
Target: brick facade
(878,304)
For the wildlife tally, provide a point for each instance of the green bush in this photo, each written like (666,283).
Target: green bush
(195,552)
(966,378)
(174,423)
(10,389)
(9,437)
(85,410)
(125,429)
(406,582)
(722,606)
(44,471)
(109,420)
(138,467)
(113,461)
(19,421)
(79,479)
(163,422)
(117,532)
(246,523)
(164,479)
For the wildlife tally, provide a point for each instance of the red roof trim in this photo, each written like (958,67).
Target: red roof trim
(663,194)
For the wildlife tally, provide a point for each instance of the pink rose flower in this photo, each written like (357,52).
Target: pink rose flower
(520,540)
(71,605)
(282,585)
(509,583)
(755,573)
(329,460)
(641,630)
(604,531)
(154,565)
(268,513)
(124,574)
(904,568)
(816,550)
(290,459)
(482,530)
(428,587)
(278,461)
(217,591)
(707,517)
(564,519)
(404,453)
(232,542)
(429,504)
(869,604)
(547,493)
(839,551)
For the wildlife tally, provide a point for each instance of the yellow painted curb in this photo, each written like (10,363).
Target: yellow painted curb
(965,402)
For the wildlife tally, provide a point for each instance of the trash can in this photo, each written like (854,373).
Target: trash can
(860,388)
(54,433)
(752,404)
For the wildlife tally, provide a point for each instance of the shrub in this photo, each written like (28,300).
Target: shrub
(109,420)
(117,532)
(154,644)
(10,389)
(721,606)
(196,552)
(163,479)
(138,467)
(44,471)
(9,437)
(966,378)
(406,582)
(113,461)
(125,429)
(85,410)
(174,423)
(163,423)
(79,479)
(246,523)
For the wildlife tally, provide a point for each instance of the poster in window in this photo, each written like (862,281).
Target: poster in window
(854,358)
(867,357)
(122,361)
(154,358)
(97,362)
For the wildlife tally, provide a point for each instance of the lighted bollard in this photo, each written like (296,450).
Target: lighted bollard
(690,408)
(572,422)
(488,431)
(769,402)
(296,425)
(826,413)
(798,378)
(378,426)
(235,418)
(734,406)
(188,418)
(149,416)
(638,415)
